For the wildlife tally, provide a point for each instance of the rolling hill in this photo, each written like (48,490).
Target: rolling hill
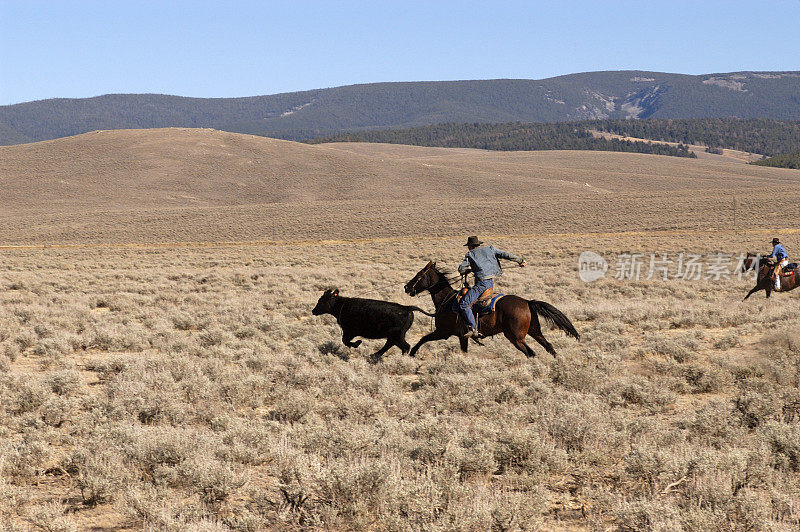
(314,113)
(201,185)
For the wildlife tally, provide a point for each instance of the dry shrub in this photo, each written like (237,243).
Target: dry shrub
(784,442)
(638,392)
(99,475)
(51,517)
(645,514)
(65,382)
(334,348)
(525,451)
(212,480)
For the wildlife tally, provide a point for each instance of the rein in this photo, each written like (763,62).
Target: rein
(449,297)
(446,301)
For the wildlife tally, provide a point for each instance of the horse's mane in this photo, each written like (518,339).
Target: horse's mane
(444,270)
(449,275)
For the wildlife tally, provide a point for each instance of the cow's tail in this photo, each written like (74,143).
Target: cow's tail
(412,307)
(553,316)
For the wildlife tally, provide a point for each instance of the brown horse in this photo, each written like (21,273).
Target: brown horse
(750,262)
(764,281)
(513,316)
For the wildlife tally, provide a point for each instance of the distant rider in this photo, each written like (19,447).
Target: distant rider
(484,263)
(782,261)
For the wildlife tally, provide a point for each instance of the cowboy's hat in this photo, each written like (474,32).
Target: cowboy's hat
(473,241)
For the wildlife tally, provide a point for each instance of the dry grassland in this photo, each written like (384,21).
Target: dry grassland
(188,387)
(177,185)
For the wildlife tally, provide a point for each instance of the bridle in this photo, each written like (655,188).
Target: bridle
(420,276)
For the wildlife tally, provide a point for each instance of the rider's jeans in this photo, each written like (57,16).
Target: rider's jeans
(783,263)
(470,297)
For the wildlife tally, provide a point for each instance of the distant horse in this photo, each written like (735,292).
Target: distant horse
(513,316)
(764,280)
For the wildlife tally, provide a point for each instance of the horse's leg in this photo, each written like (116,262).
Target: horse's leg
(535,332)
(769,291)
(520,344)
(464,344)
(755,289)
(435,335)
(544,343)
(517,322)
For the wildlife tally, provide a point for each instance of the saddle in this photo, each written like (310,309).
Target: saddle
(483,305)
(786,271)
(483,300)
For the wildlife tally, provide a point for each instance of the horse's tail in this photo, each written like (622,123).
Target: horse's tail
(412,307)
(553,316)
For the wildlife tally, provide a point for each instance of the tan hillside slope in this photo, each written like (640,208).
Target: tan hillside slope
(134,169)
(200,185)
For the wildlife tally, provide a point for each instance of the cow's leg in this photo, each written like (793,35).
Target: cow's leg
(347,339)
(377,355)
(435,335)
(403,345)
(401,338)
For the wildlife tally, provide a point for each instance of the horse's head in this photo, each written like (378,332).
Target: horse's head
(424,279)
(751,261)
(326,301)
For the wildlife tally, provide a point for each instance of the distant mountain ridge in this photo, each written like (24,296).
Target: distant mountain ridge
(314,113)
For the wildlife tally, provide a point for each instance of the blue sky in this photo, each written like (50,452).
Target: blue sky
(225,48)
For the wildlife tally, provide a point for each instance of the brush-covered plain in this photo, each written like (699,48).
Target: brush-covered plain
(191,389)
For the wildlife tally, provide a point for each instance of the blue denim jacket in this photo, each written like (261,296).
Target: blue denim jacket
(778,252)
(484,263)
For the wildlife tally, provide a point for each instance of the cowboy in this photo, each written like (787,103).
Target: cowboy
(484,263)
(782,261)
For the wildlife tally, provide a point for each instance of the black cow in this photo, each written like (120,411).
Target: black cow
(369,318)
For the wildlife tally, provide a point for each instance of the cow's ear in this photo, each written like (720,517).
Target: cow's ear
(335,292)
